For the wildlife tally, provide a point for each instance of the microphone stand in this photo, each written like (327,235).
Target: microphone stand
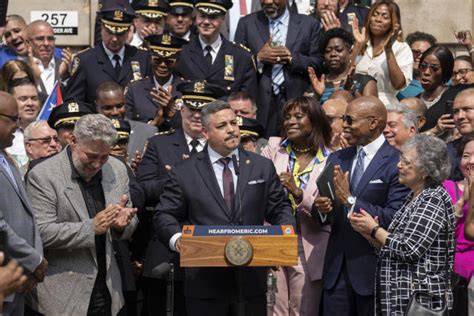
(170,292)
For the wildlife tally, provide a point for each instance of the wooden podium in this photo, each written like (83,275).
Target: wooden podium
(230,246)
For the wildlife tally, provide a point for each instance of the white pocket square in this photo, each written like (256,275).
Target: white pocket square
(256,181)
(375,181)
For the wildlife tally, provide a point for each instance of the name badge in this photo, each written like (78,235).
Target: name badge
(137,75)
(229,68)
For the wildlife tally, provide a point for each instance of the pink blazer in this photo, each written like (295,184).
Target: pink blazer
(314,236)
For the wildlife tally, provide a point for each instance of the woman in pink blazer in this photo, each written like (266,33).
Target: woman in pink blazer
(299,157)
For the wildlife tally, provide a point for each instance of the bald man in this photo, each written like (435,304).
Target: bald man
(43,43)
(365,177)
(335,109)
(16,215)
(417,105)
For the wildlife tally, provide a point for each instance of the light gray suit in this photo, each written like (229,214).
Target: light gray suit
(68,235)
(139,134)
(23,238)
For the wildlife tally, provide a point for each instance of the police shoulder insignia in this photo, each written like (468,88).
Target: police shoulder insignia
(243,47)
(168,132)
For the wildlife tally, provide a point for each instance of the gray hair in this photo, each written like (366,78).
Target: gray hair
(96,127)
(409,117)
(211,108)
(32,128)
(431,157)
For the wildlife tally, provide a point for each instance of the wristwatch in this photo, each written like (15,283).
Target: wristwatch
(351,200)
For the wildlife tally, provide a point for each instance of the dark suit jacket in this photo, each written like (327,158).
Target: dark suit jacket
(94,67)
(192,195)
(193,66)
(380,194)
(139,104)
(302,40)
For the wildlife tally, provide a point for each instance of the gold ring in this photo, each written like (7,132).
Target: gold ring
(278,59)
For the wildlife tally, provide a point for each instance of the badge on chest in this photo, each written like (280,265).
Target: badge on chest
(229,68)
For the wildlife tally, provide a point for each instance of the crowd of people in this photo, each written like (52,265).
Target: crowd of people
(220,112)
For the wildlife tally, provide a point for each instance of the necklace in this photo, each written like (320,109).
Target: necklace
(301,150)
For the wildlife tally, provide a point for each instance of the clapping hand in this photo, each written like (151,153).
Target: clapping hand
(360,36)
(124,215)
(65,62)
(330,21)
(319,85)
(341,184)
(136,160)
(12,278)
(464,38)
(363,223)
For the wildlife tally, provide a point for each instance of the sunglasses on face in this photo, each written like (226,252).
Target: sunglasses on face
(350,120)
(461,72)
(434,68)
(169,62)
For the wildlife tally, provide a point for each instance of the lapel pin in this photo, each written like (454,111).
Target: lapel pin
(247,162)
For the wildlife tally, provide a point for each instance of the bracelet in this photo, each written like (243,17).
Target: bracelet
(471,51)
(374,231)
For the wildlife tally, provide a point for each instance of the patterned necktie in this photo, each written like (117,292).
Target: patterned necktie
(194,143)
(117,66)
(277,70)
(208,55)
(7,168)
(228,183)
(358,171)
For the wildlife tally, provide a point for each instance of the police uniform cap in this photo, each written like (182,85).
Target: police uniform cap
(196,94)
(181,7)
(165,45)
(213,7)
(152,9)
(117,16)
(68,113)
(123,130)
(250,128)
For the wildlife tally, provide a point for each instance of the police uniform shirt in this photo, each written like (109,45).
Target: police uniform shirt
(215,47)
(199,147)
(166,85)
(111,54)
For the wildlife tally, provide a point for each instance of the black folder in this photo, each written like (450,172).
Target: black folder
(325,182)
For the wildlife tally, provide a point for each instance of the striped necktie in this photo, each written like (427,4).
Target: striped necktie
(277,71)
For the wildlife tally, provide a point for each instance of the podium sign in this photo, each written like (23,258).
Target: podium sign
(230,246)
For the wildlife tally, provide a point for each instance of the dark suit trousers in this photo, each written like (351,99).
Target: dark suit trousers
(255,306)
(156,297)
(275,117)
(342,300)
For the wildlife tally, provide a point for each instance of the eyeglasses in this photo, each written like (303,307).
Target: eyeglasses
(331,119)
(42,38)
(461,72)
(45,140)
(169,62)
(423,66)
(15,119)
(349,119)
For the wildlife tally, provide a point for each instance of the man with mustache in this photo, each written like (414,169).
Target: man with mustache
(211,57)
(212,188)
(163,152)
(285,44)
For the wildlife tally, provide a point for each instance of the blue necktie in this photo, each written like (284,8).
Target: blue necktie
(358,171)
(277,71)
(7,168)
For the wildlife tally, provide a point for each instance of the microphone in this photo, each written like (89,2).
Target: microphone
(161,269)
(236,164)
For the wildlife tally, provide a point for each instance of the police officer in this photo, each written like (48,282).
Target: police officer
(151,18)
(151,100)
(251,134)
(163,152)
(179,21)
(112,59)
(211,57)
(63,118)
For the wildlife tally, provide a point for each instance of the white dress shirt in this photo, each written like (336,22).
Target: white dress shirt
(215,47)
(136,40)
(111,54)
(370,151)
(377,67)
(165,86)
(47,74)
(17,150)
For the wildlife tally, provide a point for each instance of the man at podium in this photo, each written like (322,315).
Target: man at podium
(222,185)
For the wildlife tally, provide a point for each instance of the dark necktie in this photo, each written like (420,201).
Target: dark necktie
(208,55)
(117,66)
(194,144)
(358,171)
(228,183)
